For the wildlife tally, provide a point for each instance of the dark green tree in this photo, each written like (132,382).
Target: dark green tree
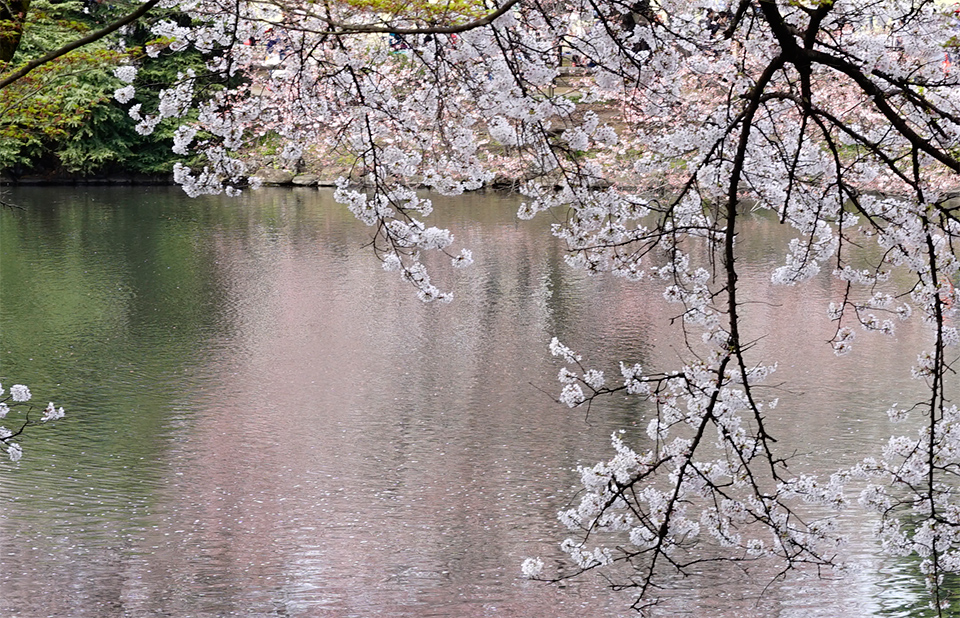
(61,116)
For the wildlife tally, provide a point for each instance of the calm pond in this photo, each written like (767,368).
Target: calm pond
(262,422)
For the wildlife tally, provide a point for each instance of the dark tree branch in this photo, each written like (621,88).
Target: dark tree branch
(337,27)
(66,49)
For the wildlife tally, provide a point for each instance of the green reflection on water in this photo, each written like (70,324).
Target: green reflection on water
(105,307)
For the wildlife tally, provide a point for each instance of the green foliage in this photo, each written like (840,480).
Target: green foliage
(63,117)
(50,107)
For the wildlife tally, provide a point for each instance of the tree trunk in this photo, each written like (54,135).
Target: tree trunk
(13,15)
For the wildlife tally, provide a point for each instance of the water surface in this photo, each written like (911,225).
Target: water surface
(262,422)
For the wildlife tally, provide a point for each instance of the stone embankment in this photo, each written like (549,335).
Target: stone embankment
(271,177)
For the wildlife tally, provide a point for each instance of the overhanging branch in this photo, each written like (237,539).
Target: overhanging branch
(90,38)
(337,27)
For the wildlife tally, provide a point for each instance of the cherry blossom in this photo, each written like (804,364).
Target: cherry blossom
(17,401)
(838,118)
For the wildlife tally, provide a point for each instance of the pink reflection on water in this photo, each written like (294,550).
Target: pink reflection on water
(358,453)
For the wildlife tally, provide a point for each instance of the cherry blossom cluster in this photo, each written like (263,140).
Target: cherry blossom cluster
(17,400)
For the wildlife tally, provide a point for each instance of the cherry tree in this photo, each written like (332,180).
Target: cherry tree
(839,117)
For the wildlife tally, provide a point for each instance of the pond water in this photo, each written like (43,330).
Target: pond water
(262,422)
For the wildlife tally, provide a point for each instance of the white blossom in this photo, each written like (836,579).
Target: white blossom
(558,349)
(19,392)
(572,395)
(463,259)
(125,94)
(594,379)
(532,567)
(52,413)
(126,73)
